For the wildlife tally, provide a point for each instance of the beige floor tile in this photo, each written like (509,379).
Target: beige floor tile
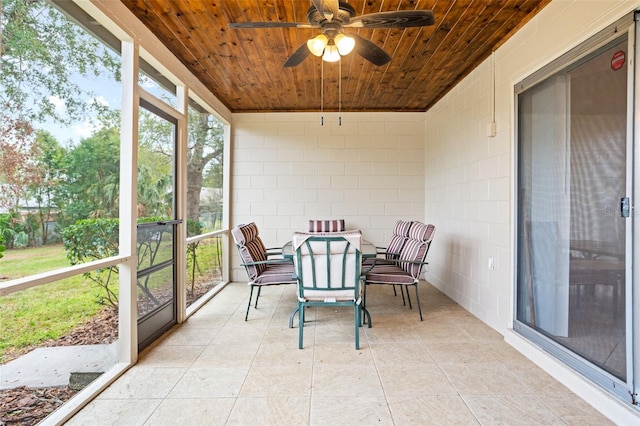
(442,332)
(341,353)
(400,353)
(267,381)
(284,411)
(283,353)
(450,369)
(511,410)
(144,383)
(202,319)
(537,380)
(458,352)
(192,412)
(481,332)
(482,378)
(357,410)
(226,355)
(115,412)
(345,381)
(170,356)
(572,409)
(381,334)
(415,379)
(209,383)
(184,336)
(434,410)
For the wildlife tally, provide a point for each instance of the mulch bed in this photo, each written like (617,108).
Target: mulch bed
(26,406)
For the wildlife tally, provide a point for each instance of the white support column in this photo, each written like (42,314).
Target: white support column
(181,203)
(128,313)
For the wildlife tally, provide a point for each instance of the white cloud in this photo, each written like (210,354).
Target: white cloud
(86,129)
(100,100)
(57,102)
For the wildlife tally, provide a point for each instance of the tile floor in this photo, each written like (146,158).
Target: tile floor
(450,369)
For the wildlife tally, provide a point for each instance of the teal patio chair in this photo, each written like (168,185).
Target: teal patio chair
(328,273)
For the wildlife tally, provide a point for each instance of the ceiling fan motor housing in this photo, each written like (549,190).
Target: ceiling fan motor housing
(346,12)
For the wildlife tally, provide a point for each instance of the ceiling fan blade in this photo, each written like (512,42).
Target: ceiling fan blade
(395,19)
(329,8)
(298,56)
(370,51)
(236,25)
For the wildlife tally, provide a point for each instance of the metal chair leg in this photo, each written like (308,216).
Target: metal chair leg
(249,304)
(357,325)
(293,314)
(301,325)
(417,300)
(408,297)
(258,296)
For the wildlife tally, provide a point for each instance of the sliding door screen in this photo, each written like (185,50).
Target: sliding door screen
(573,243)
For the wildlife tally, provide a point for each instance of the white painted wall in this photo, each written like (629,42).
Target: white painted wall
(469,176)
(469,179)
(287,168)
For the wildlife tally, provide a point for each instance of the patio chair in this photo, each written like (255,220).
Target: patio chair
(328,273)
(262,270)
(405,270)
(392,251)
(326,225)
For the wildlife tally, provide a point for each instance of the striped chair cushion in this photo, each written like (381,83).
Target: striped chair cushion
(421,232)
(326,225)
(413,251)
(398,239)
(279,273)
(250,247)
(388,273)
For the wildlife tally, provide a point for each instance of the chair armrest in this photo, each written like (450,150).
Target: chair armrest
(267,262)
(273,251)
(413,262)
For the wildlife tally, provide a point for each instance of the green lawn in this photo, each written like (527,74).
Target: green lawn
(50,311)
(45,312)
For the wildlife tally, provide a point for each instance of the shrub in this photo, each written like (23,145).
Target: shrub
(93,239)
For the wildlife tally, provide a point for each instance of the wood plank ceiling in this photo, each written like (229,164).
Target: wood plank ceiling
(243,67)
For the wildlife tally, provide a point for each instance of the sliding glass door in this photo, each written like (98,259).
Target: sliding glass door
(574,194)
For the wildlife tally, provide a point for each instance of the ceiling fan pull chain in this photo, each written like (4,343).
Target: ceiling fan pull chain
(321,92)
(339,92)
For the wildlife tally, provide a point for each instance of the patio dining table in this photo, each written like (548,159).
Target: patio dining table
(367,248)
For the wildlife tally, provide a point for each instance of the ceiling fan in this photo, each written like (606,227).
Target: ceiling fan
(332,16)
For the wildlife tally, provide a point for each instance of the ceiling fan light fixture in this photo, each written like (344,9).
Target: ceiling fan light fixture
(345,44)
(331,53)
(317,44)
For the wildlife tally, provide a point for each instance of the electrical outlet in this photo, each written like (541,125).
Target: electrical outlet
(491,263)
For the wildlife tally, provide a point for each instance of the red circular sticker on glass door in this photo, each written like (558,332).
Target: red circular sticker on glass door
(617,61)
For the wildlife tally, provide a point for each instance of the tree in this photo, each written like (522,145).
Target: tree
(204,150)
(18,169)
(206,144)
(50,166)
(42,52)
(91,184)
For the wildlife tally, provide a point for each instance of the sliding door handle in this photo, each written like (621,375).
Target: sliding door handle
(625,207)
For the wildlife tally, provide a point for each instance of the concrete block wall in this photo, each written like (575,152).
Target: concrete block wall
(288,168)
(470,176)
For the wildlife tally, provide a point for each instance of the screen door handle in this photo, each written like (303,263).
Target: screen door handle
(625,207)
